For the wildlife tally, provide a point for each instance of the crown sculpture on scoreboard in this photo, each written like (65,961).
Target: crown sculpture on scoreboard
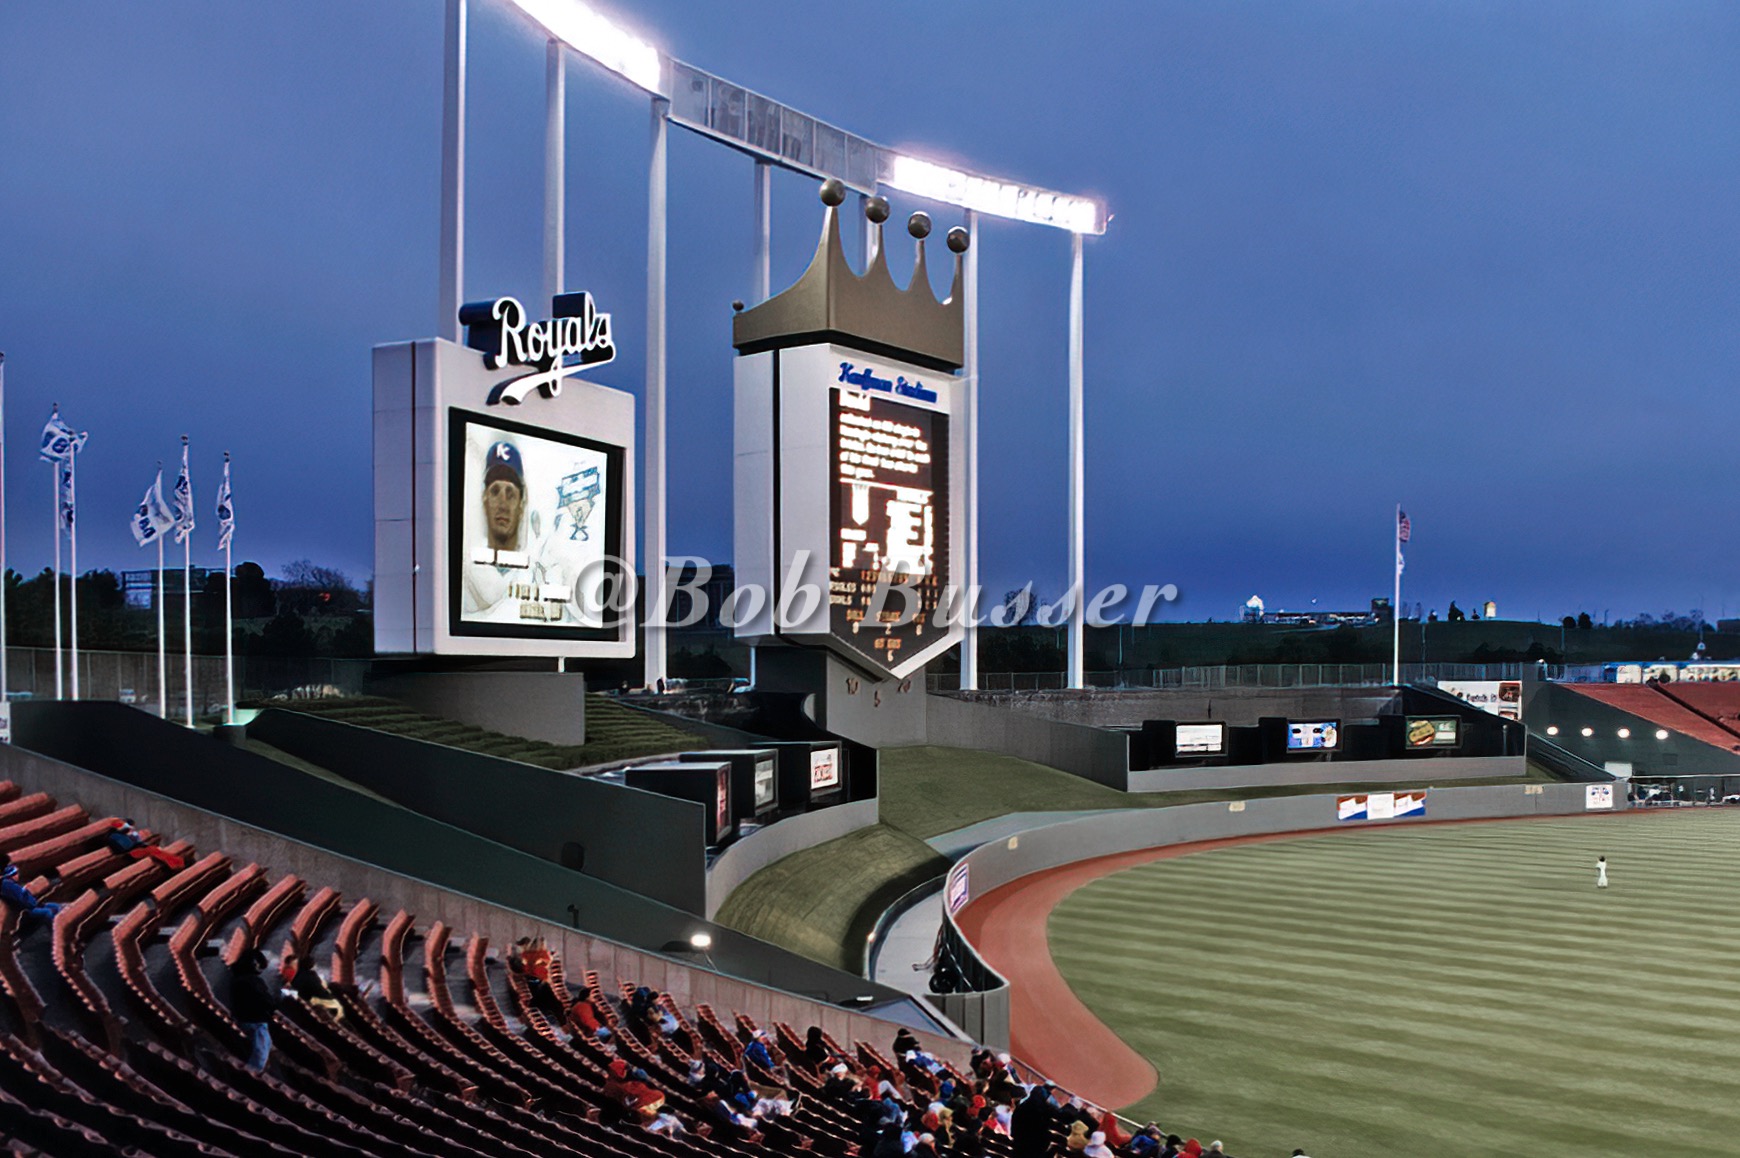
(830,303)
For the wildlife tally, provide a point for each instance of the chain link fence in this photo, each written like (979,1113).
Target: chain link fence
(131,677)
(1249,675)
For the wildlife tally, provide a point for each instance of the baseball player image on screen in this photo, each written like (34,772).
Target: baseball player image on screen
(533,530)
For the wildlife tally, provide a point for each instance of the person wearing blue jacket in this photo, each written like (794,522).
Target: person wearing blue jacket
(31,911)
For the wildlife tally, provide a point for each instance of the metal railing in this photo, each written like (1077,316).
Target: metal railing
(131,677)
(1213,677)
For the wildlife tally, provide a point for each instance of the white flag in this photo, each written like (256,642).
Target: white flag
(59,441)
(183,499)
(226,513)
(153,517)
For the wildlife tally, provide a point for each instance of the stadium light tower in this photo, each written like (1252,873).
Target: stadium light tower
(773,134)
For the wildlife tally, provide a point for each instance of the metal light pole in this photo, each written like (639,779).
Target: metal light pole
(653,553)
(763,287)
(1077,595)
(452,174)
(555,169)
(970,291)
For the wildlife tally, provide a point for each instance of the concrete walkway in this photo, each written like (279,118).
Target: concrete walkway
(912,936)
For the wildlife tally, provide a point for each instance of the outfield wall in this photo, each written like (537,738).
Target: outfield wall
(986,1014)
(1410,771)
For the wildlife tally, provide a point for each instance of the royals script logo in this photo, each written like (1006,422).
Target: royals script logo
(502,332)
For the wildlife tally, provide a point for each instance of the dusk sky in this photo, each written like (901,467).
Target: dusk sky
(1477,258)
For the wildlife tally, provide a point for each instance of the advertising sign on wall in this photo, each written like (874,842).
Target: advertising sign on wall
(957,894)
(1381,805)
(1500,697)
(824,769)
(1597,796)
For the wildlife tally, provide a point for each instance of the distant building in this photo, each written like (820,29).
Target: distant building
(139,588)
(717,589)
(1379,613)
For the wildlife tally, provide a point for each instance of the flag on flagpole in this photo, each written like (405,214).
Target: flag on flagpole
(60,441)
(226,513)
(1403,527)
(183,499)
(153,518)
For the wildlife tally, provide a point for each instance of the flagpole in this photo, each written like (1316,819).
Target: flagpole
(59,686)
(72,498)
(187,594)
(1396,607)
(229,617)
(162,651)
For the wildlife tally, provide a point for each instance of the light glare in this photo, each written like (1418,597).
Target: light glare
(590,34)
(986,195)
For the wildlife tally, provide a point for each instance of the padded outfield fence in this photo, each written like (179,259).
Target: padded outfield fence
(1247,675)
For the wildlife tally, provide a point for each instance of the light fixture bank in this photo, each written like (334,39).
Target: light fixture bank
(784,136)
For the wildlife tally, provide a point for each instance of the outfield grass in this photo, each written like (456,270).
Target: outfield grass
(822,902)
(613,731)
(1436,990)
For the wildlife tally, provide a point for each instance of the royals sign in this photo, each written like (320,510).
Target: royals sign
(502,332)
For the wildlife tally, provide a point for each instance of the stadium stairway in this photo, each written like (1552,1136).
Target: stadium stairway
(114,1038)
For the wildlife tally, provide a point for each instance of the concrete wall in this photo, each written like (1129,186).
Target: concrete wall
(547,706)
(652,844)
(847,701)
(1236,706)
(1051,846)
(467,914)
(749,855)
(1089,752)
(1424,770)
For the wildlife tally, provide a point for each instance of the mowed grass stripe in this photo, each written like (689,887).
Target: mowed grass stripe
(1432,990)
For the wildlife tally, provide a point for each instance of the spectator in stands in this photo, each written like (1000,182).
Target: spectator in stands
(841,1083)
(1146,1141)
(305,981)
(126,839)
(583,1019)
(816,1050)
(31,911)
(1033,1122)
(904,1042)
(1077,1139)
(666,1123)
(1096,1146)
(925,1147)
(969,1141)
(252,1005)
(730,1125)
(631,1090)
(1214,1149)
(1106,1123)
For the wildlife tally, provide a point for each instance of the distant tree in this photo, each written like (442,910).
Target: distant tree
(252,592)
(1569,623)
(1455,614)
(310,589)
(1584,623)
(1432,616)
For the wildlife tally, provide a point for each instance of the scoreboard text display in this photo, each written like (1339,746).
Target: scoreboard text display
(848,476)
(888,519)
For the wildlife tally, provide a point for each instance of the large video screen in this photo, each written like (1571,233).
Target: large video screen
(1313,735)
(889,519)
(537,531)
(1201,739)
